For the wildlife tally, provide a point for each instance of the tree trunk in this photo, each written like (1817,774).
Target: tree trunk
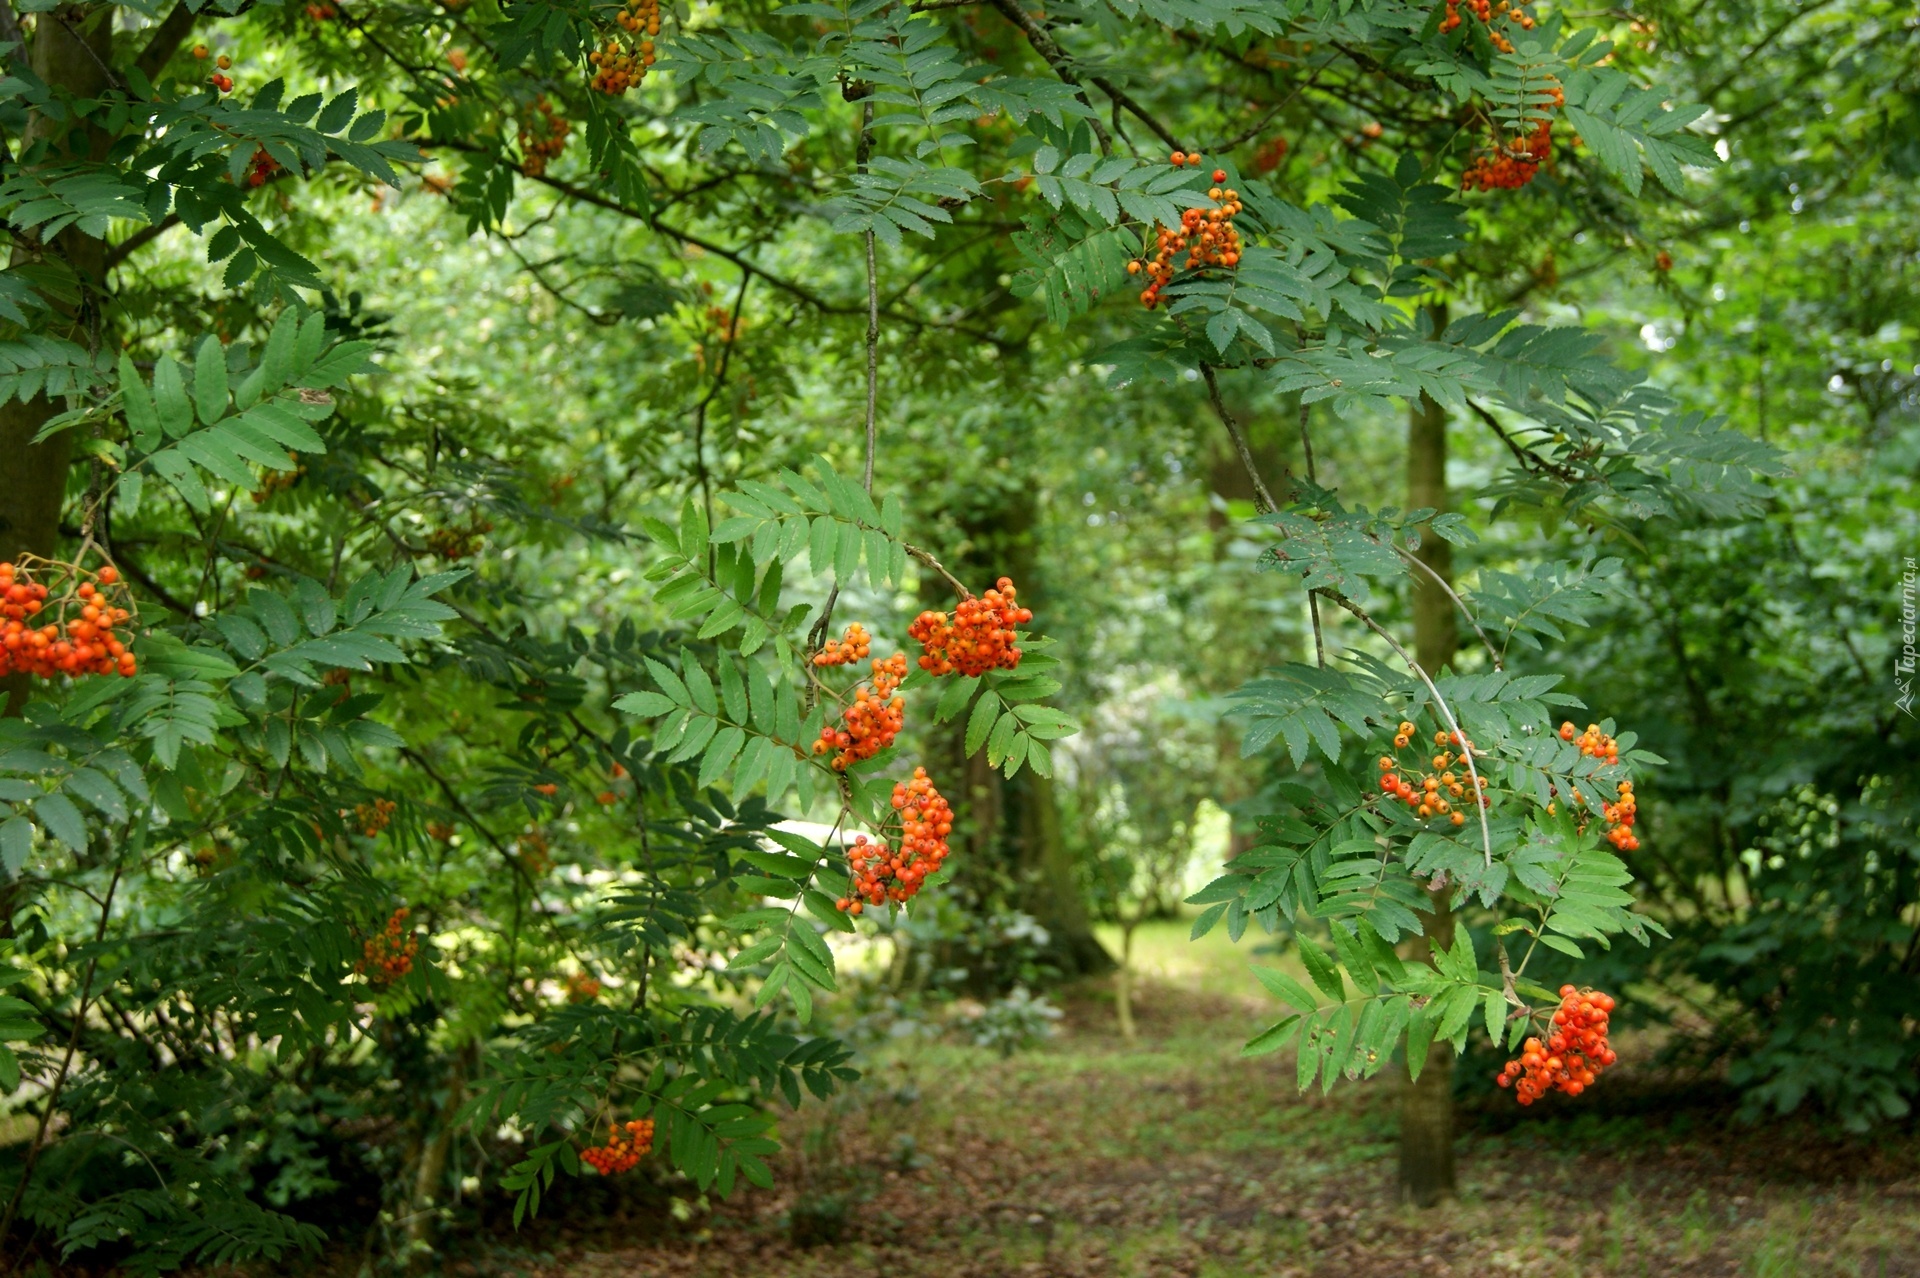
(1123,980)
(70,49)
(1008,845)
(1426,1110)
(432,1169)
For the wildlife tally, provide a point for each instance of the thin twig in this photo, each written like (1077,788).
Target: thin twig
(719,380)
(959,586)
(1248,135)
(1528,459)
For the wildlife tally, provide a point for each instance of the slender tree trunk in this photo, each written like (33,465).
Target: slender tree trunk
(433,1169)
(1055,899)
(1123,979)
(1008,844)
(1426,1109)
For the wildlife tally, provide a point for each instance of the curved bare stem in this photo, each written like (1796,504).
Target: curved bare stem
(1458,602)
(959,586)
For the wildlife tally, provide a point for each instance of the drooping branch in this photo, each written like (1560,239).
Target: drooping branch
(166,40)
(118,253)
(1529,460)
(1054,56)
(736,257)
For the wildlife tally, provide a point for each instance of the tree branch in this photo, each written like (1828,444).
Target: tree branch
(1528,459)
(165,41)
(1054,56)
(1459,603)
(1313,602)
(1239,441)
(118,253)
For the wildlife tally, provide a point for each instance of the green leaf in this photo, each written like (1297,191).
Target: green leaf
(16,844)
(1322,970)
(1284,987)
(62,820)
(693,532)
(644,705)
(210,380)
(981,722)
(170,398)
(1273,1038)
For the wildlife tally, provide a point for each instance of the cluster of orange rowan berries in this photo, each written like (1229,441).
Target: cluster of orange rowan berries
(616,68)
(1573,1055)
(543,136)
(1625,809)
(844,652)
(374,817)
(880,872)
(389,956)
(1663,261)
(1270,155)
(454,542)
(1487,11)
(872,721)
(440,831)
(278,481)
(83,640)
(1593,743)
(582,988)
(536,858)
(220,82)
(1620,816)
(626,1146)
(979,637)
(261,167)
(1429,794)
(724,324)
(322,12)
(1513,166)
(1207,236)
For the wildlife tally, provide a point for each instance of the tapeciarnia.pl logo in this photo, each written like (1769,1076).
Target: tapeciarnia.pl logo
(1904,663)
